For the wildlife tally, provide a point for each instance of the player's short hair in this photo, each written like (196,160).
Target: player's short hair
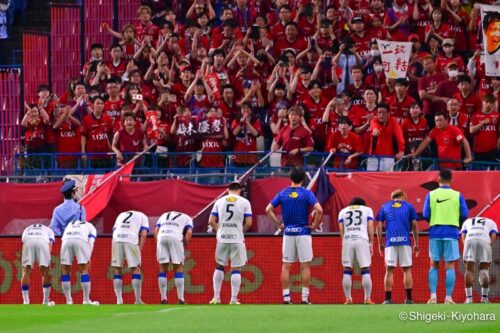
(235,186)
(297,175)
(357,201)
(398,194)
(445,175)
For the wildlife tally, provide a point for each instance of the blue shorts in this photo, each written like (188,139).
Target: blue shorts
(446,249)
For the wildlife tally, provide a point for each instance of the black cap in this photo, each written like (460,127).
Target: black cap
(464,78)
(357,19)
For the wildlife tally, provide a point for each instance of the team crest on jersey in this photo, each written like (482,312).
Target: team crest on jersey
(446,141)
(354,206)
(293,195)
(231,199)
(396,205)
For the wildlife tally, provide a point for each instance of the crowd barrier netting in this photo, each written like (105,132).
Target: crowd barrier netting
(95,12)
(260,277)
(65,29)
(10,107)
(36,63)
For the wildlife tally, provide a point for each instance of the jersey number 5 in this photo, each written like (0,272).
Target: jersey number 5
(229,210)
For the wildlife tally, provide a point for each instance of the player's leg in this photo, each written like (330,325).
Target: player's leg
(391,261)
(435,255)
(117,258)
(363,254)
(46,284)
(238,260)
(82,253)
(484,279)
(133,255)
(163,258)
(163,281)
(25,284)
(221,258)
(469,280)
(450,254)
(305,254)
(405,261)
(179,282)
(289,251)
(83,268)
(66,259)
(347,262)
(137,284)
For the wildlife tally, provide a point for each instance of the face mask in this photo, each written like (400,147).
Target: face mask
(378,68)
(374,53)
(452,74)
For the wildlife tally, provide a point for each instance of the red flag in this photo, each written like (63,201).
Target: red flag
(97,199)
(493,211)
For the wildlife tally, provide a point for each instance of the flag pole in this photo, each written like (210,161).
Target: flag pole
(488,205)
(243,176)
(114,173)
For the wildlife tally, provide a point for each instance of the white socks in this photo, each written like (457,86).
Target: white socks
(235,285)
(218,279)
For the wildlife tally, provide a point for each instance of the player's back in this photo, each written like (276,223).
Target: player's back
(355,220)
(398,216)
(479,228)
(128,225)
(295,203)
(231,211)
(173,224)
(38,231)
(79,230)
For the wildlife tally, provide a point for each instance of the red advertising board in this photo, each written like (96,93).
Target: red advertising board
(260,278)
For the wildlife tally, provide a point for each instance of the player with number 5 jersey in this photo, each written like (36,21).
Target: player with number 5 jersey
(77,241)
(356,230)
(478,233)
(231,216)
(172,233)
(129,236)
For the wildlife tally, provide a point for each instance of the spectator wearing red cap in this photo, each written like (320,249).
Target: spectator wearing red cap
(401,101)
(417,48)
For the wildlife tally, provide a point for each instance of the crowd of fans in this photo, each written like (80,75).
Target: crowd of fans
(301,75)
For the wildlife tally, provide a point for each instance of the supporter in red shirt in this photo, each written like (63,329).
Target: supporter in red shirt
(385,132)
(35,122)
(128,141)
(446,89)
(376,78)
(243,14)
(400,103)
(291,41)
(227,38)
(179,89)
(458,20)
(437,28)
(335,109)
(213,131)
(470,103)
(97,129)
(325,39)
(157,129)
(457,118)
(361,115)
(300,82)
(246,128)
(361,36)
(117,65)
(306,20)
(377,29)
(347,143)
(68,138)
(427,86)
(145,27)
(184,128)
(127,37)
(315,106)
(397,21)
(414,128)
(421,17)
(198,97)
(485,127)
(89,70)
(357,87)
(227,104)
(113,105)
(285,16)
(449,141)
(448,56)
(294,140)
(279,119)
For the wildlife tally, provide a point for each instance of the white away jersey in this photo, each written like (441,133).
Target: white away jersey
(128,225)
(38,231)
(79,230)
(479,228)
(231,211)
(173,224)
(355,220)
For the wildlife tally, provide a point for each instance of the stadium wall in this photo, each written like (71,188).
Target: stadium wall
(260,278)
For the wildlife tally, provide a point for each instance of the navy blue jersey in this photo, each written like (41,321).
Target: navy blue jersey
(295,203)
(398,216)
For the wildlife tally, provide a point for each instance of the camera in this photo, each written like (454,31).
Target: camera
(137,97)
(254,32)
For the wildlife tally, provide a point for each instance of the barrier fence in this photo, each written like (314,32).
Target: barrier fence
(10,104)
(260,277)
(36,63)
(66,44)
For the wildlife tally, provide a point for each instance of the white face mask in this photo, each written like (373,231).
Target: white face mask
(374,53)
(378,68)
(452,74)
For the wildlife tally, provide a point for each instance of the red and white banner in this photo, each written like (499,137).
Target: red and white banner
(490,24)
(260,277)
(395,57)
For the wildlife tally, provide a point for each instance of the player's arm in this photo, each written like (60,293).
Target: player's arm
(142,238)
(188,234)
(247,223)
(379,238)
(318,214)
(414,228)
(341,229)
(493,237)
(371,232)
(272,216)
(212,221)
